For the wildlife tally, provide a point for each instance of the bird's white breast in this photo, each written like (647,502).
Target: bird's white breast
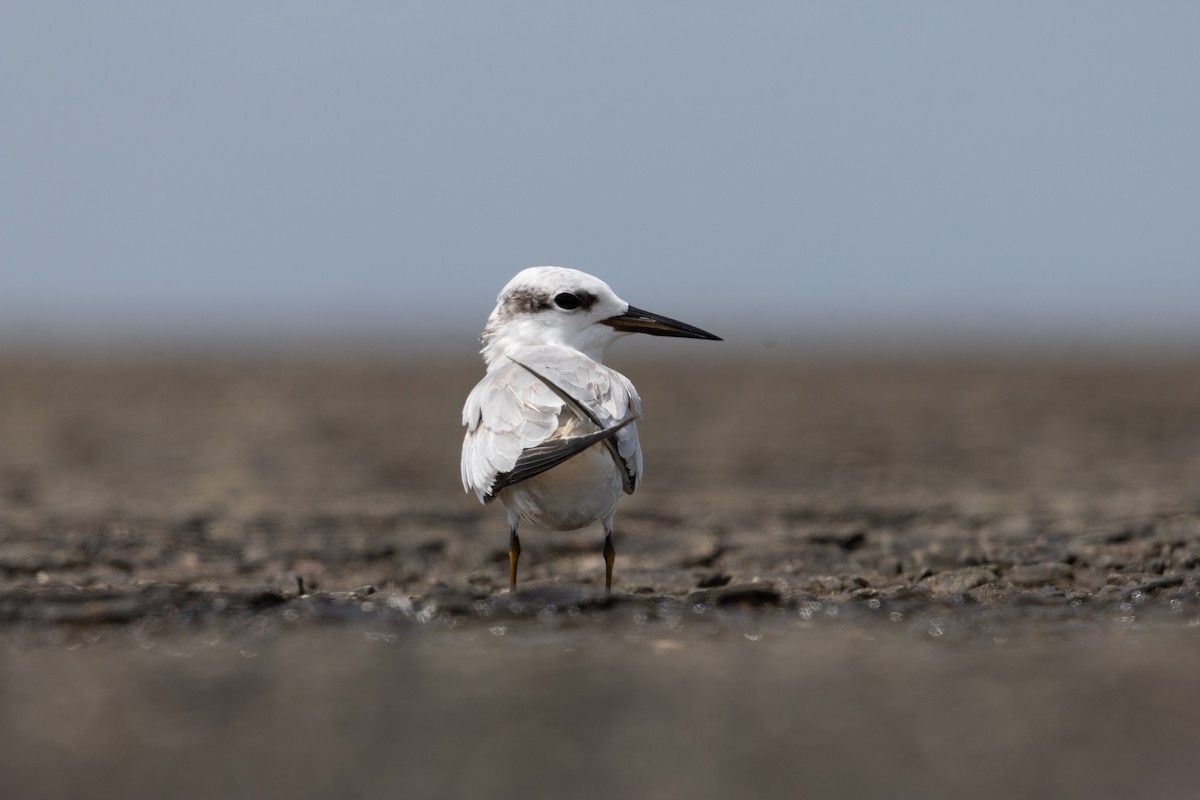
(572,495)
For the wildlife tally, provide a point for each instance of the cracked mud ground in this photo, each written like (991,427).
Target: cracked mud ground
(242,578)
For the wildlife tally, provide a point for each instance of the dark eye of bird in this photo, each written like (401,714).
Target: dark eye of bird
(567,301)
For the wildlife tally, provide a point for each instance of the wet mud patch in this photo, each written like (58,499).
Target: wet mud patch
(849,579)
(205,491)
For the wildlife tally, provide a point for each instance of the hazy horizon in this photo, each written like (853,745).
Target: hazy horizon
(785,172)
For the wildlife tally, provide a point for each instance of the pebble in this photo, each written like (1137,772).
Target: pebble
(958,581)
(1039,574)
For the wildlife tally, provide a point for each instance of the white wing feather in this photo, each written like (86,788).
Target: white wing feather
(511,410)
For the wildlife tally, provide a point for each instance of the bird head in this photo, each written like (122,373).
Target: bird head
(559,306)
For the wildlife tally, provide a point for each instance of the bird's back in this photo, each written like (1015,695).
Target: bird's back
(513,410)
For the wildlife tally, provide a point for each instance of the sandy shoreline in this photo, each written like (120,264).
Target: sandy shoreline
(920,577)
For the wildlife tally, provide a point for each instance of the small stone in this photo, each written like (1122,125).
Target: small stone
(958,581)
(1149,587)
(825,584)
(748,594)
(847,541)
(713,581)
(1039,574)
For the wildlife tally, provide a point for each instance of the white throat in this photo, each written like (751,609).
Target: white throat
(505,338)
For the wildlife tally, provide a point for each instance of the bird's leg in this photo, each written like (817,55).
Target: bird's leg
(514,552)
(610,555)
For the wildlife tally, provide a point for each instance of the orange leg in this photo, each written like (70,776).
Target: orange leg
(610,555)
(514,552)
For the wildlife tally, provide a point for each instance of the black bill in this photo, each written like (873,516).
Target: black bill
(635,320)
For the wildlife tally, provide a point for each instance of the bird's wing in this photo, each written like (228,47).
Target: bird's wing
(529,415)
(551,453)
(583,413)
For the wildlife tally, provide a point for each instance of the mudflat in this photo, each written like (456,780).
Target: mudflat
(226,577)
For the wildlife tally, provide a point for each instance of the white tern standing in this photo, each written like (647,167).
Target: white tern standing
(551,431)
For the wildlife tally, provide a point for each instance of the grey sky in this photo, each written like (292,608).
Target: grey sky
(749,166)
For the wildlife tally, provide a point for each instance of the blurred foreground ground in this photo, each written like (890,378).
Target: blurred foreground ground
(926,578)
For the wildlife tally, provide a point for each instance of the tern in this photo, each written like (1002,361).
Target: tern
(551,431)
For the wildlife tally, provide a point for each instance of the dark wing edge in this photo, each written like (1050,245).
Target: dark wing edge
(536,460)
(627,476)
